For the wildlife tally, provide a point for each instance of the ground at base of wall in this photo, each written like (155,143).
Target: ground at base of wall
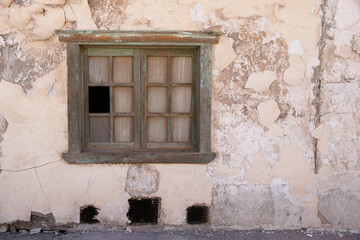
(182,235)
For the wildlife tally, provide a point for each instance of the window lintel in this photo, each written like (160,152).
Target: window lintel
(143,37)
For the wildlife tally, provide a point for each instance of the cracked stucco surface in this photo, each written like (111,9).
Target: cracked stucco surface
(285,115)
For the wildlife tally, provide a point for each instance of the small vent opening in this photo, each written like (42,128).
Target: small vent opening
(88,214)
(197,215)
(144,211)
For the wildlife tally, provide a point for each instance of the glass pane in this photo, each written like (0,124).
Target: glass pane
(180,129)
(181,99)
(123,69)
(157,129)
(123,129)
(123,99)
(98,69)
(99,129)
(182,69)
(157,99)
(157,69)
(99,100)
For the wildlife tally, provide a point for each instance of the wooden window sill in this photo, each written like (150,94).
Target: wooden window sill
(138,157)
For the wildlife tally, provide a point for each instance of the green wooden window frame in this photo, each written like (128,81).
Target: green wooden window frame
(78,45)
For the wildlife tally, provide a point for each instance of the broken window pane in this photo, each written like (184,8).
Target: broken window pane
(99,100)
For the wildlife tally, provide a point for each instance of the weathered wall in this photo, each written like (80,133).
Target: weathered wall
(285,115)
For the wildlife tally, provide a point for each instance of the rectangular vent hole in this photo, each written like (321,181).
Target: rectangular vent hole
(144,211)
(197,215)
(88,214)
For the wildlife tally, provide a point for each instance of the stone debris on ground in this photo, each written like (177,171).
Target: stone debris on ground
(184,235)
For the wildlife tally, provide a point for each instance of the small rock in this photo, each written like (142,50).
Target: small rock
(128,229)
(12,229)
(4,228)
(35,231)
(309,235)
(23,231)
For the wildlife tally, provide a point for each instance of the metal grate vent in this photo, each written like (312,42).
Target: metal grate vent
(144,211)
(197,215)
(88,214)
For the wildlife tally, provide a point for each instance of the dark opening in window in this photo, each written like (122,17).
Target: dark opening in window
(88,214)
(99,100)
(144,211)
(197,215)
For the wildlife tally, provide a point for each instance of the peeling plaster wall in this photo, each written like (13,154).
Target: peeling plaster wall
(285,115)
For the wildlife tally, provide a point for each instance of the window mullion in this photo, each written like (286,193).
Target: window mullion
(137,101)
(111,100)
(143,99)
(169,98)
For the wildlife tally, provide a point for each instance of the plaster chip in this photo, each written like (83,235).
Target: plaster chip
(51,2)
(223,53)
(268,112)
(274,131)
(5,3)
(3,124)
(83,16)
(261,81)
(45,25)
(197,13)
(352,70)
(260,171)
(294,75)
(4,23)
(317,132)
(69,14)
(296,48)
(20,17)
(356,44)
(347,13)
(343,51)
(142,180)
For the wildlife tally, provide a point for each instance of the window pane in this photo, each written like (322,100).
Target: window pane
(180,129)
(123,99)
(99,129)
(157,69)
(157,129)
(157,99)
(99,100)
(123,129)
(181,99)
(182,69)
(98,69)
(123,69)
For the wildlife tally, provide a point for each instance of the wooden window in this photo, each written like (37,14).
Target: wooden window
(140,98)
(139,103)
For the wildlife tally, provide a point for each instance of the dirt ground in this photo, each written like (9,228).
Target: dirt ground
(183,235)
